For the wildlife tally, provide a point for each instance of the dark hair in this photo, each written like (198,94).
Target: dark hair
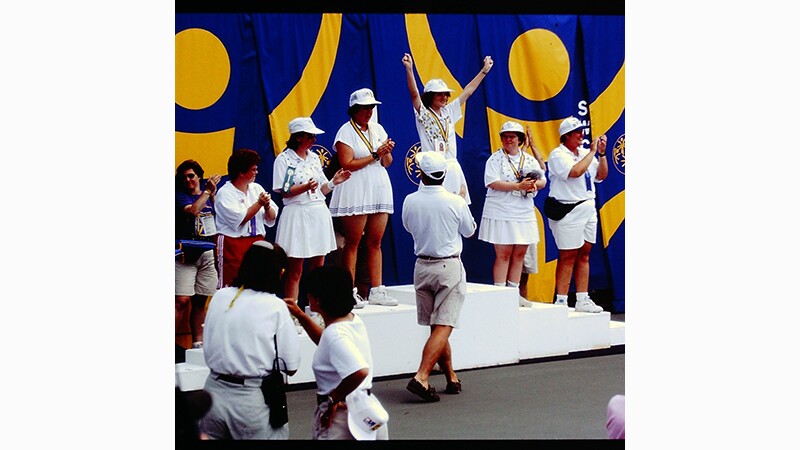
(262,268)
(240,161)
(428,181)
(351,111)
(183,167)
(427,98)
(333,288)
(294,140)
(563,137)
(520,136)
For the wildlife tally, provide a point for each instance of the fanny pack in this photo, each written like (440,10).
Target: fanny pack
(555,210)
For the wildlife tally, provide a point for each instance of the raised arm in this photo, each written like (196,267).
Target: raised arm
(470,88)
(412,82)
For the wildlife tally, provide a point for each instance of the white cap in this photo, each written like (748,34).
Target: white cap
(431,162)
(436,85)
(363,97)
(304,124)
(512,127)
(365,415)
(570,124)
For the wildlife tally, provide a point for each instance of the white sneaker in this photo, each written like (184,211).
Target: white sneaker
(524,302)
(359,302)
(379,296)
(587,305)
(560,302)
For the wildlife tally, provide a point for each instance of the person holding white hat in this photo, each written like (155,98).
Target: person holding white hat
(346,406)
(305,229)
(365,149)
(512,178)
(573,170)
(437,220)
(436,118)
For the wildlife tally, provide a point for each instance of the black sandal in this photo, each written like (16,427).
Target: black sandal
(429,394)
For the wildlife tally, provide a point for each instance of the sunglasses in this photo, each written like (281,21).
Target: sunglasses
(190,176)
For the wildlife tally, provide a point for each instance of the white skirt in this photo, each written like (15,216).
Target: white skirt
(368,191)
(507,232)
(306,230)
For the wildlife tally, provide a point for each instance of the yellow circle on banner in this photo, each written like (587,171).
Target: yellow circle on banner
(538,64)
(202,68)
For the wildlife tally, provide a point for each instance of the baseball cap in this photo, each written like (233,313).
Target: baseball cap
(570,124)
(511,127)
(363,97)
(365,415)
(304,124)
(431,162)
(436,85)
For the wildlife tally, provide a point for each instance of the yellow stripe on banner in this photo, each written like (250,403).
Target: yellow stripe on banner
(544,134)
(429,61)
(608,106)
(611,216)
(304,97)
(211,150)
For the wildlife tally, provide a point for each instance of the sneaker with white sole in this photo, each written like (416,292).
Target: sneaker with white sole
(379,296)
(587,306)
(525,303)
(359,301)
(560,302)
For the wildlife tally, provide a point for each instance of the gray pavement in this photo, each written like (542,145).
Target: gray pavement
(543,399)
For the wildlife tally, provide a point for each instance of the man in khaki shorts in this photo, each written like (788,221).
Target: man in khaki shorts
(436,220)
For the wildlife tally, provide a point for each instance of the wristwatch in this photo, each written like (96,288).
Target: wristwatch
(375,156)
(601,154)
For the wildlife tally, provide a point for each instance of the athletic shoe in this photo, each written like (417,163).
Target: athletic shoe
(524,302)
(587,305)
(379,296)
(358,301)
(560,302)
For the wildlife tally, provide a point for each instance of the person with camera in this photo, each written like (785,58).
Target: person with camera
(512,178)
(247,326)
(573,170)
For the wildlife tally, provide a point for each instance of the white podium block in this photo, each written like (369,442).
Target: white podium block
(617,332)
(195,356)
(588,331)
(543,331)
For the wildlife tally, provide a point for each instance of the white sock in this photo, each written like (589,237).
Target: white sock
(580,296)
(500,284)
(561,297)
(512,284)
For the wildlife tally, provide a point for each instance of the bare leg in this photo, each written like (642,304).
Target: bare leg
(446,363)
(431,353)
(502,257)
(353,230)
(523,285)
(181,309)
(582,268)
(515,264)
(376,225)
(294,271)
(564,268)
(197,317)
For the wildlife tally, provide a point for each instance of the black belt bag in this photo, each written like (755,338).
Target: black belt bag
(555,210)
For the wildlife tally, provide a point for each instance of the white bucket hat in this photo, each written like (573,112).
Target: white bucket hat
(365,415)
(436,85)
(431,162)
(303,124)
(512,127)
(570,124)
(363,97)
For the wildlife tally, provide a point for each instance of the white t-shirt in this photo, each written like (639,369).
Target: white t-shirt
(509,205)
(564,188)
(343,349)
(231,206)
(430,132)
(239,341)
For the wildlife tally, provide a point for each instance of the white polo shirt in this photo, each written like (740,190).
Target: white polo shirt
(436,220)
(564,188)
(231,206)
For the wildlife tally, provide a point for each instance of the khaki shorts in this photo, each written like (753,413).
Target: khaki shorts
(441,287)
(199,278)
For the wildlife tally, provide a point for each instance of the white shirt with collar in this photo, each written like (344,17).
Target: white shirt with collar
(436,220)
(231,207)
(562,187)
(303,170)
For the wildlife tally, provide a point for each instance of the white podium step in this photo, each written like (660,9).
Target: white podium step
(493,330)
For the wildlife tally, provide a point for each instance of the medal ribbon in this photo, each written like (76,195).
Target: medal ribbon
(517,171)
(442,128)
(361,135)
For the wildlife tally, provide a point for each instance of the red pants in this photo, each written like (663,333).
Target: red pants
(230,251)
